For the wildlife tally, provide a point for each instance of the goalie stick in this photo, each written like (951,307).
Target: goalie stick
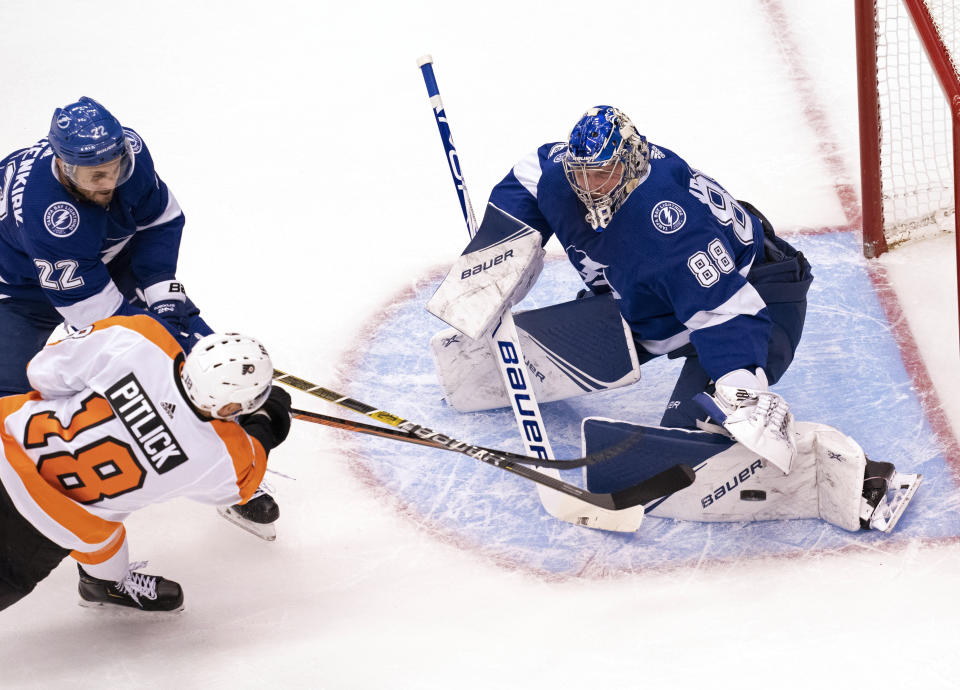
(672,479)
(504,343)
(425,63)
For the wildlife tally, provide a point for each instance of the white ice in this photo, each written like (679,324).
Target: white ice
(298,139)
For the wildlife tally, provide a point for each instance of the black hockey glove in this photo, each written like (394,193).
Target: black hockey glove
(167,302)
(271,423)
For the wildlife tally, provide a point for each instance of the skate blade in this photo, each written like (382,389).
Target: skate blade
(266,532)
(126,609)
(905,486)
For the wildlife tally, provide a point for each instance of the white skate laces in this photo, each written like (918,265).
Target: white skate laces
(756,417)
(137,585)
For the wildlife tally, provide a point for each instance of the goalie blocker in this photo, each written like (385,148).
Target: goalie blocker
(831,477)
(482,284)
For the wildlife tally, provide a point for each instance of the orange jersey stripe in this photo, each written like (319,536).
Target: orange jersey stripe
(249,457)
(45,424)
(104,554)
(70,515)
(147,326)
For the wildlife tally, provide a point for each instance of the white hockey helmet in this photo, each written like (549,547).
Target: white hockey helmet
(225,368)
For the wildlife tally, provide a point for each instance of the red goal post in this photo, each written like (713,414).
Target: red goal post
(909,104)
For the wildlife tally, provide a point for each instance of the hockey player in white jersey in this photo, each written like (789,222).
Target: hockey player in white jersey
(120,419)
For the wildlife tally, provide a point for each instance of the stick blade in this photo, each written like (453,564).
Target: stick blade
(659,485)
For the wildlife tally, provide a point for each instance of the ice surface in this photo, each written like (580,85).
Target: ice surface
(298,139)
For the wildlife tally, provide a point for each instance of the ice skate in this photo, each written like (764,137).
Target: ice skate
(136,591)
(255,516)
(886,494)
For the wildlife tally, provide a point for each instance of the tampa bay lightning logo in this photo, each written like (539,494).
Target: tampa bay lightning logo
(136,143)
(61,219)
(668,217)
(557,151)
(592,272)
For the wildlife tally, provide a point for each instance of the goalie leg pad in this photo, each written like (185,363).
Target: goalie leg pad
(570,349)
(840,466)
(734,484)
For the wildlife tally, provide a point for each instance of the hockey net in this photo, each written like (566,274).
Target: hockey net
(909,93)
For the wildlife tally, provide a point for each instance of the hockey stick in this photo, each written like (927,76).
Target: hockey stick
(672,479)
(504,343)
(425,63)
(414,433)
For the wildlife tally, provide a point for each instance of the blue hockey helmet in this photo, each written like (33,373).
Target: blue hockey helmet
(605,160)
(85,135)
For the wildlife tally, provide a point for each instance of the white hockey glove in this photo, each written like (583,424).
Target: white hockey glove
(757,418)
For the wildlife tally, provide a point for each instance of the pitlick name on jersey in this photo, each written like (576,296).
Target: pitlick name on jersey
(139,415)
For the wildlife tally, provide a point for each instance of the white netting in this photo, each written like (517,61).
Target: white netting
(916,132)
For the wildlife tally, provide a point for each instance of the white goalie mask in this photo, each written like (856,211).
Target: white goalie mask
(226,368)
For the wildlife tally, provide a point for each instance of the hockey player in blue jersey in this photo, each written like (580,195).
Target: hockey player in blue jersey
(88,230)
(695,273)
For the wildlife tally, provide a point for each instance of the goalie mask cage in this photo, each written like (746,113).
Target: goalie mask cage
(909,103)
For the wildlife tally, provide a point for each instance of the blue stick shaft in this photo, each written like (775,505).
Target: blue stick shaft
(453,160)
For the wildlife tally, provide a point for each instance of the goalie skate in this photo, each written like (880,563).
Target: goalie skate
(886,514)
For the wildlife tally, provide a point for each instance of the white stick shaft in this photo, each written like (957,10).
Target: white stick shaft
(505,344)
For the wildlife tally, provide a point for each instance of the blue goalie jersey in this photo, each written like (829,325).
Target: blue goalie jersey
(676,255)
(56,247)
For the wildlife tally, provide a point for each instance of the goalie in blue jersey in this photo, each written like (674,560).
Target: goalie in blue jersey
(695,273)
(685,270)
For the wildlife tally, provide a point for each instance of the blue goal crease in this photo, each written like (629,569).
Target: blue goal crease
(847,373)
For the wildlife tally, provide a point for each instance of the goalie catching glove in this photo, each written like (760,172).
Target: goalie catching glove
(754,416)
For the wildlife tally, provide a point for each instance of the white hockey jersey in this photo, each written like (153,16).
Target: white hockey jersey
(108,430)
